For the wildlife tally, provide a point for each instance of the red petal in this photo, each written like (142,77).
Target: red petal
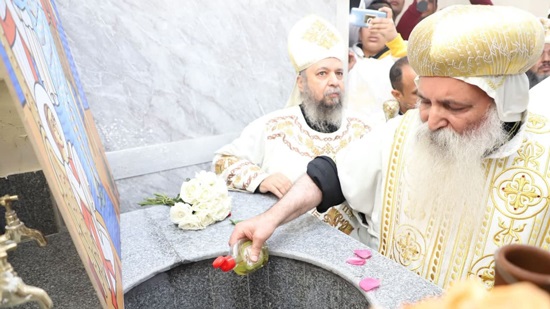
(355,261)
(218,261)
(363,253)
(368,284)
(228,264)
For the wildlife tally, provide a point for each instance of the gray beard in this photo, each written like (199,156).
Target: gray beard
(446,175)
(541,77)
(323,115)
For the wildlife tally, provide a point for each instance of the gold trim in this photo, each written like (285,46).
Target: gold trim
(516,210)
(302,140)
(392,176)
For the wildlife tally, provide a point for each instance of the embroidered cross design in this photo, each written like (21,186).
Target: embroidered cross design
(520,193)
(321,35)
(408,248)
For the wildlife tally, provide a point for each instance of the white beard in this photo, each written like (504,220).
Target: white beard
(446,174)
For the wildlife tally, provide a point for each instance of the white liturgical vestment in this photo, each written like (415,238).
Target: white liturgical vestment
(373,179)
(369,86)
(282,142)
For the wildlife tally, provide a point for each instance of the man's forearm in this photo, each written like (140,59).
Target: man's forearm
(302,197)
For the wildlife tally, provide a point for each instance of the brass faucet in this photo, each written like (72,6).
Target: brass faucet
(12,288)
(15,229)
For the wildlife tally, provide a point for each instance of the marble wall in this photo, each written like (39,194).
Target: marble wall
(166,79)
(170,82)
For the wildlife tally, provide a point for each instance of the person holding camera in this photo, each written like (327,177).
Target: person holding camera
(378,36)
(379,47)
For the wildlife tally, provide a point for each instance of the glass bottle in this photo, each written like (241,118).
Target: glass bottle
(238,259)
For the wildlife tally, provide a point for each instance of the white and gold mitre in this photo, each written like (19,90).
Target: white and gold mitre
(313,39)
(310,40)
(476,40)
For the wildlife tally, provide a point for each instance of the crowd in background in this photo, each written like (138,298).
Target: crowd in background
(375,50)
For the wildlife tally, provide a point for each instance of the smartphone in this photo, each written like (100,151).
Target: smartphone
(362,17)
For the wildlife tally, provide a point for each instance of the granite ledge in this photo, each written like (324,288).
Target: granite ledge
(152,244)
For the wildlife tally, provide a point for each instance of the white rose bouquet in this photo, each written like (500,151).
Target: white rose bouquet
(202,201)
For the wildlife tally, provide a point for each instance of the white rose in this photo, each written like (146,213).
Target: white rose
(206,178)
(189,218)
(222,209)
(191,191)
(204,216)
(202,208)
(209,198)
(206,193)
(220,188)
(192,223)
(213,184)
(180,211)
(216,209)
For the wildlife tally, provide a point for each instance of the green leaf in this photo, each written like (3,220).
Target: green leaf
(160,199)
(234,222)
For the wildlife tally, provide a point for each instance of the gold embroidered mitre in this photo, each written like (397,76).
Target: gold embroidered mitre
(476,40)
(313,39)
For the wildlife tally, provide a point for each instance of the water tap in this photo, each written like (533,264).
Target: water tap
(15,229)
(13,291)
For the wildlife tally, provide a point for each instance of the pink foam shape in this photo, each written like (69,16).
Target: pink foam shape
(363,253)
(368,284)
(355,261)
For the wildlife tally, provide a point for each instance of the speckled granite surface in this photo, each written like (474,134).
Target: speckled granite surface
(151,244)
(34,207)
(57,269)
(282,283)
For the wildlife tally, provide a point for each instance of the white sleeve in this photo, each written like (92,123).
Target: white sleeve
(361,170)
(239,163)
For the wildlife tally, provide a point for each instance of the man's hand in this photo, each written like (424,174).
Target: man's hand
(258,229)
(303,196)
(384,26)
(277,184)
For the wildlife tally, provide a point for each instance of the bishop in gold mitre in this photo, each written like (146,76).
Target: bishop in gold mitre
(440,189)
(440,202)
